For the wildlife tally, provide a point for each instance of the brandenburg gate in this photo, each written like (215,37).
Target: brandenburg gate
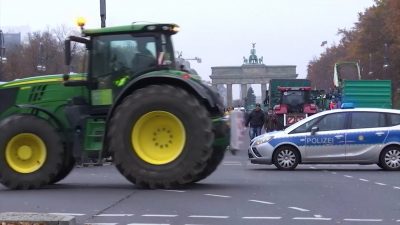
(252,71)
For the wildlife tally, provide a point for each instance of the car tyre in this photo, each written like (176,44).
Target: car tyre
(390,158)
(286,158)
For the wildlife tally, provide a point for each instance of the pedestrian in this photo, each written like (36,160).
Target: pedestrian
(256,121)
(332,105)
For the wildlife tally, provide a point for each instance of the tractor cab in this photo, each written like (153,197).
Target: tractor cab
(118,54)
(295,100)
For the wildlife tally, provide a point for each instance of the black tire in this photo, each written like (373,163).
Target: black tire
(286,158)
(20,131)
(380,165)
(66,168)
(195,153)
(212,164)
(390,158)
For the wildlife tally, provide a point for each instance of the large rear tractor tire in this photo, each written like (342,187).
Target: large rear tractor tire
(161,137)
(66,168)
(212,164)
(31,152)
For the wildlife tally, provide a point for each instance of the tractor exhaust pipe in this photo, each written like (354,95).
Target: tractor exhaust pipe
(103,13)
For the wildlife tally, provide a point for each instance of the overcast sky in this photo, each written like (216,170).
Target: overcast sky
(220,32)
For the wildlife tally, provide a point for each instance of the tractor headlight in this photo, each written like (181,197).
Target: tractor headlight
(262,140)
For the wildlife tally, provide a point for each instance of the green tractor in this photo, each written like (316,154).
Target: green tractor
(162,127)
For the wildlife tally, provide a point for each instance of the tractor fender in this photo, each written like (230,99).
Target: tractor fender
(203,92)
(52,117)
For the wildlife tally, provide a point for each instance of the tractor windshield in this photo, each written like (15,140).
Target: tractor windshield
(125,55)
(295,100)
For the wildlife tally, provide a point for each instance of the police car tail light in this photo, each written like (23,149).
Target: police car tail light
(262,140)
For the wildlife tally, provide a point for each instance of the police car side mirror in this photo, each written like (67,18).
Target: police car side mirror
(314,130)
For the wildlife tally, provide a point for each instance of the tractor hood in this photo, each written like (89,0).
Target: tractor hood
(40,79)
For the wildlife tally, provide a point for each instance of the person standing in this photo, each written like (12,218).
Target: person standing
(256,121)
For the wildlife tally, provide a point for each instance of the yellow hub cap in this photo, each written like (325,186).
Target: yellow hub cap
(26,153)
(158,137)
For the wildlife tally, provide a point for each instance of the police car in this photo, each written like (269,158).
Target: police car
(358,136)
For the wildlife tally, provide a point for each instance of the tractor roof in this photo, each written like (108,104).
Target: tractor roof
(134,27)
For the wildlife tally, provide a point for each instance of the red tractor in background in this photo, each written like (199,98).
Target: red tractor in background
(293,105)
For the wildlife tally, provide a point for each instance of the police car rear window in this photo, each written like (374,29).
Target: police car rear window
(367,120)
(393,119)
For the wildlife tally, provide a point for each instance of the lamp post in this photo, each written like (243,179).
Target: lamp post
(3,58)
(370,72)
(41,67)
(386,63)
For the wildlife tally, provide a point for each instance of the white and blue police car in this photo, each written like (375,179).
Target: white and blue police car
(340,136)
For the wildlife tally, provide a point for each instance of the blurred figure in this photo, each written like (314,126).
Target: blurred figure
(256,121)
(228,110)
(332,105)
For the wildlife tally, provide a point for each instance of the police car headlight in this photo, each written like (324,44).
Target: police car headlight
(262,140)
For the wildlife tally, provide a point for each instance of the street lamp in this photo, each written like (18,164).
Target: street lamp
(41,62)
(370,64)
(3,58)
(386,57)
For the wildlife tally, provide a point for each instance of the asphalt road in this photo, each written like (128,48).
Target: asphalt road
(237,193)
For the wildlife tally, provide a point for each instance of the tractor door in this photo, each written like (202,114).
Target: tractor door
(116,59)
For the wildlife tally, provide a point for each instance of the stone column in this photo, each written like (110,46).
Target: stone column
(263,89)
(243,90)
(229,99)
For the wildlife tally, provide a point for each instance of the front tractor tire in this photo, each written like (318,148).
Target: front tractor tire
(31,152)
(160,136)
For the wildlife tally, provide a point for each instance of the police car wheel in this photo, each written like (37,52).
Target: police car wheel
(286,158)
(390,158)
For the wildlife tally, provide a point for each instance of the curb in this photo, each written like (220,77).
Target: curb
(22,218)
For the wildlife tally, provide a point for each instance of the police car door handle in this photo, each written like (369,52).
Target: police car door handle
(380,133)
(339,136)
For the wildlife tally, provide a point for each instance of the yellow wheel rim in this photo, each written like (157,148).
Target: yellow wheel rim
(158,137)
(26,153)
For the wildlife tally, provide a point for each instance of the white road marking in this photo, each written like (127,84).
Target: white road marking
(101,223)
(365,180)
(179,191)
(299,209)
(68,214)
(318,216)
(158,215)
(311,218)
(262,217)
(397,220)
(396,187)
(115,215)
(206,216)
(220,196)
(348,176)
(263,202)
(148,224)
(363,220)
(382,184)
(311,167)
(228,163)
(194,224)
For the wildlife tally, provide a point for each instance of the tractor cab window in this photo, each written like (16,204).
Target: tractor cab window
(115,58)
(295,99)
